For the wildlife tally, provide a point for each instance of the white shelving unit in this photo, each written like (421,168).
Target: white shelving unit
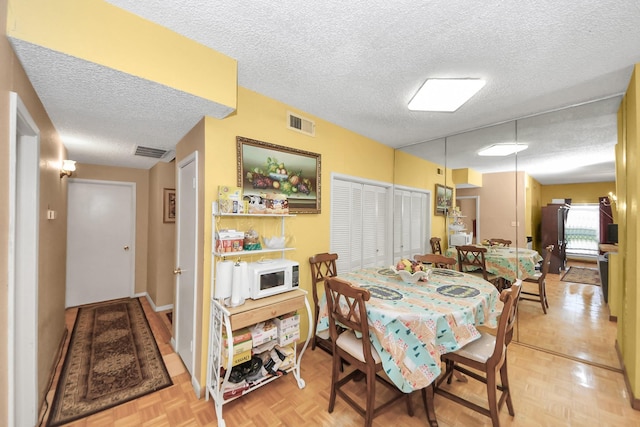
(457,235)
(228,319)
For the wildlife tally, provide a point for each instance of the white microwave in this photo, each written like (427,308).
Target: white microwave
(271,277)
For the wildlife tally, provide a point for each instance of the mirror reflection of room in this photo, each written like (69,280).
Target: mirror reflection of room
(508,203)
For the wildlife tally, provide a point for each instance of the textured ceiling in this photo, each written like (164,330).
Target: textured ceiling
(357,64)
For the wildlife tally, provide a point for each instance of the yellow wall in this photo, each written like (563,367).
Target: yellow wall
(629,256)
(533,214)
(578,193)
(101,33)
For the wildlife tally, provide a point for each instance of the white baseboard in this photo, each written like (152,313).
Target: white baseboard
(152,304)
(196,387)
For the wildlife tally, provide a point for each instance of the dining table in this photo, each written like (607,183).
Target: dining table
(412,324)
(507,262)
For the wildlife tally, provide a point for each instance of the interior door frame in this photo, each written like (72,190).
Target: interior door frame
(23,247)
(477,198)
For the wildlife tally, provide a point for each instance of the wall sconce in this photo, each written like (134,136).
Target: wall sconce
(613,197)
(68,167)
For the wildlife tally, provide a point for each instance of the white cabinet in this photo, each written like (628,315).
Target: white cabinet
(224,320)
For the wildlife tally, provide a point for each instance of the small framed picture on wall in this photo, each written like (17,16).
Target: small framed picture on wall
(444,199)
(169,205)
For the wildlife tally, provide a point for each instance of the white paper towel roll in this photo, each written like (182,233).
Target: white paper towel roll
(246,288)
(236,283)
(224,271)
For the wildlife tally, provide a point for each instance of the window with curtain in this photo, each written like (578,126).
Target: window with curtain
(582,231)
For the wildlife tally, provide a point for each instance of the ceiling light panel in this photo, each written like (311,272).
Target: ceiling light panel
(446,95)
(502,149)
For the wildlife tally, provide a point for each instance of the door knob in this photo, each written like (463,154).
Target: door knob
(126,248)
(177,271)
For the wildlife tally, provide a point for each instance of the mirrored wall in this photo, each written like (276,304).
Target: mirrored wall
(508,202)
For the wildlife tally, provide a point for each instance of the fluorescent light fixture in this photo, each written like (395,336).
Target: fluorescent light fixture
(503,149)
(445,94)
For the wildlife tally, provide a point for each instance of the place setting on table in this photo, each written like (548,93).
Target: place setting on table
(416,317)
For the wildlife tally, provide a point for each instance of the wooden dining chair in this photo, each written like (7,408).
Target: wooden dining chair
(471,259)
(487,357)
(346,305)
(436,248)
(540,278)
(500,242)
(436,260)
(322,265)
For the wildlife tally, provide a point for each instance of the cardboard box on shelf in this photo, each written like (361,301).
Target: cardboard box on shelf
(242,341)
(289,337)
(286,321)
(230,199)
(237,358)
(263,332)
(229,241)
(276,204)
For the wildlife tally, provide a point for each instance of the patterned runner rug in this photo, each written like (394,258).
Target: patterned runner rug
(588,276)
(112,358)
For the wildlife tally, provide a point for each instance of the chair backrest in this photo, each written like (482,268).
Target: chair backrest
(473,256)
(546,262)
(435,245)
(500,242)
(504,333)
(436,260)
(346,306)
(322,266)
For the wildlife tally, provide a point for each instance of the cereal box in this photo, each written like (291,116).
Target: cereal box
(230,199)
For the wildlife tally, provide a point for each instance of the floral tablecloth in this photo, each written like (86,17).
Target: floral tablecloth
(411,325)
(505,262)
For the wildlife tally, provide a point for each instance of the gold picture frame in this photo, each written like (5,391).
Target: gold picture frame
(444,199)
(269,168)
(169,205)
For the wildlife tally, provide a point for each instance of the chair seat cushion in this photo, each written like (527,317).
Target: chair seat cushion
(348,342)
(324,334)
(479,350)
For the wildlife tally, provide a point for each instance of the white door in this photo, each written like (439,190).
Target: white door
(100,241)
(186,279)
(22,254)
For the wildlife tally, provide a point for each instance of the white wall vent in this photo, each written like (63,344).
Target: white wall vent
(300,124)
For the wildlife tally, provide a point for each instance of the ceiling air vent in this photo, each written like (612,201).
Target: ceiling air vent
(156,153)
(301,124)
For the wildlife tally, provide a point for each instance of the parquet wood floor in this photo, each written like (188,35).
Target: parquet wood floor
(548,389)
